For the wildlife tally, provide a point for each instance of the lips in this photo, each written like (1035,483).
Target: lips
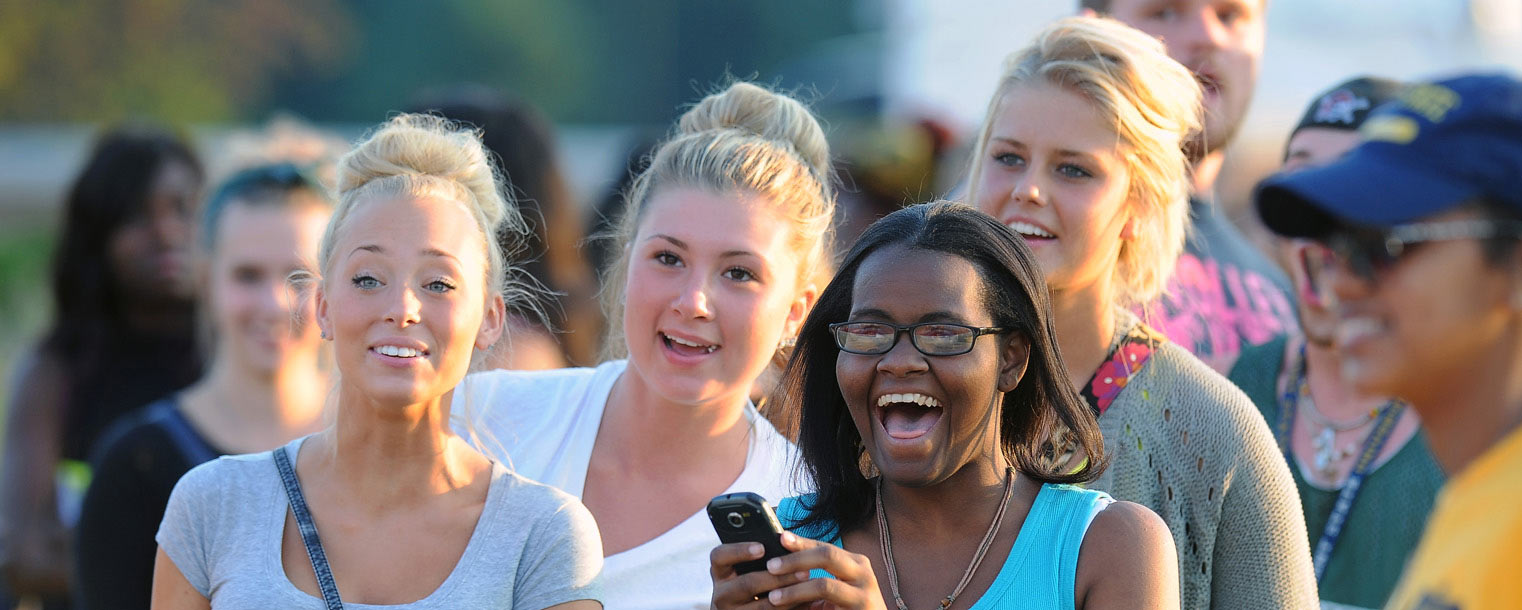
(399,351)
(908,416)
(687,348)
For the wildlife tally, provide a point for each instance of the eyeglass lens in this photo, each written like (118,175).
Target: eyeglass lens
(932,339)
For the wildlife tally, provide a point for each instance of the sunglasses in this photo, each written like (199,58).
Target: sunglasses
(1369,252)
(930,338)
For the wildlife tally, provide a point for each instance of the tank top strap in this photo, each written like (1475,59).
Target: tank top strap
(1042,568)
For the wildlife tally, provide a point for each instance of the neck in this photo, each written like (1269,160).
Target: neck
(636,413)
(1470,413)
(1334,398)
(952,510)
(391,455)
(1085,322)
(163,317)
(1204,174)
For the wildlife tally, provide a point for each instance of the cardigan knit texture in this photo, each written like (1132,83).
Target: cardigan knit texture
(1186,443)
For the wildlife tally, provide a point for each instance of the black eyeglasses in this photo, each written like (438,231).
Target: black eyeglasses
(930,338)
(1367,253)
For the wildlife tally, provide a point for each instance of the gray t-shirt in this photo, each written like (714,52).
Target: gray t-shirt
(534,546)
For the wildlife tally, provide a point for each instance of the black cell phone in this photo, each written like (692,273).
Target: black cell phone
(746,517)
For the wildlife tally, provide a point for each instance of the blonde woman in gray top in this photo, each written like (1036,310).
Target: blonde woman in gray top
(1081,154)
(410,291)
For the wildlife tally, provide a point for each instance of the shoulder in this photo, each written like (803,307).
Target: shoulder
(542,505)
(133,433)
(39,378)
(1174,377)
(1126,525)
(1127,552)
(229,472)
(488,391)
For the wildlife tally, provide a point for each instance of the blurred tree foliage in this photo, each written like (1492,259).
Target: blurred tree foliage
(355,60)
(177,60)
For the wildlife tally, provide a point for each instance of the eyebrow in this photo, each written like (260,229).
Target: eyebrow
(1062,152)
(934,316)
(425,251)
(683,245)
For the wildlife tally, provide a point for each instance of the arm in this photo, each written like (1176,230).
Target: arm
(1127,561)
(561,563)
(582,604)
(170,589)
(35,549)
(1262,556)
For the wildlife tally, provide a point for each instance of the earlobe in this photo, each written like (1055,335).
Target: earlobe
(324,326)
(1014,356)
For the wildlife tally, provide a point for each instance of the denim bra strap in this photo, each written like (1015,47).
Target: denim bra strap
(308,531)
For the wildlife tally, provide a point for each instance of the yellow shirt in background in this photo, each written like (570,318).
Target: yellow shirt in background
(1470,557)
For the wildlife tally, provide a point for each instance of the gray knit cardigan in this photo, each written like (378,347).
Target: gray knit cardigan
(1186,443)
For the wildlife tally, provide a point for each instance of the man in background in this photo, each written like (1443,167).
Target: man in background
(1227,303)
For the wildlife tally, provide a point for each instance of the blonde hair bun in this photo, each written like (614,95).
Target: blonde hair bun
(756,110)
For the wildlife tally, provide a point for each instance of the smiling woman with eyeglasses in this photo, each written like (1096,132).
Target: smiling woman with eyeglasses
(936,442)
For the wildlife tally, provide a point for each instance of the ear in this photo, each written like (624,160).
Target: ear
(799,310)
(1014,356)
(1129,231)
(1087,12)
(492,323)
(324,324)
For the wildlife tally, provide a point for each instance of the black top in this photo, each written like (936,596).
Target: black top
(143,368)
(140,458)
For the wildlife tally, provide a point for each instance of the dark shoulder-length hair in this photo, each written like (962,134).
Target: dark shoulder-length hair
(1043,403)
(110,191)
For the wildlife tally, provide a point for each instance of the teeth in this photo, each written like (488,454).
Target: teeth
(678,341)
(398,351)
(919,399)
(1025,228)
(1350,329)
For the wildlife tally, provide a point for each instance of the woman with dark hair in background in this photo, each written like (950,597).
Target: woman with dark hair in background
(121,336)
(954,419)
(524,142)
(265,382)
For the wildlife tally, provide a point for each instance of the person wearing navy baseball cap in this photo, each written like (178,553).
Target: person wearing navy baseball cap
(1366,478)
(1419,260)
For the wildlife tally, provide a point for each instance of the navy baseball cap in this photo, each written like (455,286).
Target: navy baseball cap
(1438,145)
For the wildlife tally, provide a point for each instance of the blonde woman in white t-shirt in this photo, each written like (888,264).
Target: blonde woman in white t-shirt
(720,242)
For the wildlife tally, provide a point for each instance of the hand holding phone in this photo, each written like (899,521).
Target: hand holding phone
(746,517)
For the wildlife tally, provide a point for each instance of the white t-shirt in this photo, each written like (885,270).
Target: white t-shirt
(543,425)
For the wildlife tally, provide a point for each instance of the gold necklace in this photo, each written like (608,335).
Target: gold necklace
(886,541)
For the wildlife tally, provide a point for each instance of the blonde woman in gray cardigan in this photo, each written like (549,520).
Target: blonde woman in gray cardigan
(1081,154)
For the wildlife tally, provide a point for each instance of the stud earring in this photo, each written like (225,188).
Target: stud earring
(323,334)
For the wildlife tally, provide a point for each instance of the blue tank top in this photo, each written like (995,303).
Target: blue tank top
(1042,568)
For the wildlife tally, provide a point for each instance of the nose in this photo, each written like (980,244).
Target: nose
(903,359)
(1342,283)
(1028,188)
(405,309)
(1199,31)
(172,229)
(692,301)
(277,296)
